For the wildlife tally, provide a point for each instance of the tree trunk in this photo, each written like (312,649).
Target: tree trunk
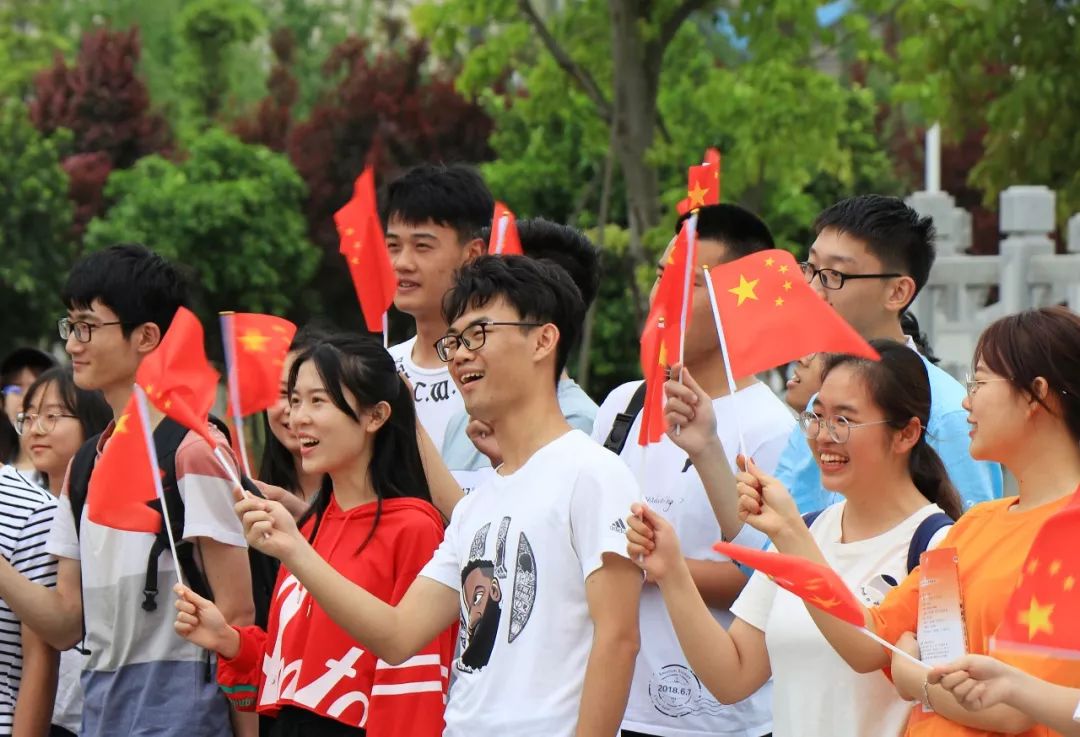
(585,353)
(636,80)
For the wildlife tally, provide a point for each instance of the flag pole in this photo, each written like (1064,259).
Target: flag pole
(232,382)
(688,279)
(386,330)
(504,223)
(148,434)
(724,353)
(894,648)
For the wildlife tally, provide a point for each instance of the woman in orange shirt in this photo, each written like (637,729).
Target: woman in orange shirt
(1023,405)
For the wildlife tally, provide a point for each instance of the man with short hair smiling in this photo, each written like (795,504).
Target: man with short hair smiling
(434,218)
(534,560)
(871,258)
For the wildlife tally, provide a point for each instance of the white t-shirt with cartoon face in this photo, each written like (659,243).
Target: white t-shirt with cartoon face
(815,693)
(434,391)
(666,697)
(518,549)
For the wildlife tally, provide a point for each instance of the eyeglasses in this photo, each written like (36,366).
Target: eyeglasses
(46,423)
(838,427)
(973,384)
(472,337)
(82,331)
(833,279)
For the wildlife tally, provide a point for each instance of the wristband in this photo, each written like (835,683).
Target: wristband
(926,695)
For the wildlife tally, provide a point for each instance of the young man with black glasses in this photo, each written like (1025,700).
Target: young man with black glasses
(871,258)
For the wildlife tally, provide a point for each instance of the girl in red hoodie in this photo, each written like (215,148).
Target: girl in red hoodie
(374,523)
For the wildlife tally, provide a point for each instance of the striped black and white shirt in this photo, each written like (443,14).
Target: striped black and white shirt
(26,514)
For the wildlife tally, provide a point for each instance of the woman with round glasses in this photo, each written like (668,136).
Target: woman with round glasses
(866,432)
(57,418)
(1023,406)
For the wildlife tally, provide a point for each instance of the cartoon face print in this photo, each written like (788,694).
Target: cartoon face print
(482,604)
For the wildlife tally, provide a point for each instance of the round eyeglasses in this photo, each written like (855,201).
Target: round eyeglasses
(46,423)
(837,427)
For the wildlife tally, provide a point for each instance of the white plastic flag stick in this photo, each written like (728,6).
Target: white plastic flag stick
(724,352)
(500,235)
(232,382)
(148,435)
(894,648)
(385,332)
(688,281)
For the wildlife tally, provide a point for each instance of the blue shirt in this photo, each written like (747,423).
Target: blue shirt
(460,454)
(947,433)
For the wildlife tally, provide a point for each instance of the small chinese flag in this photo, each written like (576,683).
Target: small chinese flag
(364,248)
(178,379)
(122,484)
(817,585)
(260,345)
(504,238)
(702,183)
(1044,609)
(654,369)
(675,292)
(770,314)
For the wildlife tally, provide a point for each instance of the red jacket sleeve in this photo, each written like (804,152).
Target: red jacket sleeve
(241,677)
(408,700)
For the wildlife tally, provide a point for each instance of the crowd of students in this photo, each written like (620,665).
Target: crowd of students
(449,536)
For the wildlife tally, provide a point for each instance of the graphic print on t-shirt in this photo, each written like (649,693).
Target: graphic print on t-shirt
(483,588)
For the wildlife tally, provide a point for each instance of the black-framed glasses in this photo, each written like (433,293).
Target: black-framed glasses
(26,421)
(838,427)
(833,279)
(83,331)
(472,337)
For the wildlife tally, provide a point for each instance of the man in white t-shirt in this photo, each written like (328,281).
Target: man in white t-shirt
(666,698)
(533,565)
(434,218)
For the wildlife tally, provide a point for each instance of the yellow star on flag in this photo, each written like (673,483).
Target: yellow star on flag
(1037,618)
(254,341)
(1033,566)
(783,268)
(787,285)
(697,195)
(779,302)
(745,290)
(1055,567)
(823,603)
(1069,583)
(770,261)
(121,423)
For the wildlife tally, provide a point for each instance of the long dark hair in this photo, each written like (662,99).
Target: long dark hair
(90,407)
(278,464)
(363,368)
(900,386)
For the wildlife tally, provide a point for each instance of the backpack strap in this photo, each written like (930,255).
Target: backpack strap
(82,465)
(924,533)
(620,428)
(167,439)
(809,517)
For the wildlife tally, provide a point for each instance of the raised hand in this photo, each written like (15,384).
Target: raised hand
(976,681)
(764,502)
(268,526)
(200,622)
(689,409)
(652,543)
(482,436)
(290,501)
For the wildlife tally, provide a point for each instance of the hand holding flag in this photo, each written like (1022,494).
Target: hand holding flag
(652,543)
(690,409)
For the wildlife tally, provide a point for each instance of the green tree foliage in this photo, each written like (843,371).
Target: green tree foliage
(230,212)
(29,37)
(35,217)
(1009,67)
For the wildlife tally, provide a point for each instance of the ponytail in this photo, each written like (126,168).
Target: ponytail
(932,480)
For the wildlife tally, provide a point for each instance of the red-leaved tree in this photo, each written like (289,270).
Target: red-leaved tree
(103,102)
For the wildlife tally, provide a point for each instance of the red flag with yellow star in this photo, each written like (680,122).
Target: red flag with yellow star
(817,585)
(122,484)
(504,238)
(770,315)
(654,369)
(364,248)
(178,379)
(260,344)
(702,183)
(1042,614)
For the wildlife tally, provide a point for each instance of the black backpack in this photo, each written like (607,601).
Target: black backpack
(620,427)
(168,436)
